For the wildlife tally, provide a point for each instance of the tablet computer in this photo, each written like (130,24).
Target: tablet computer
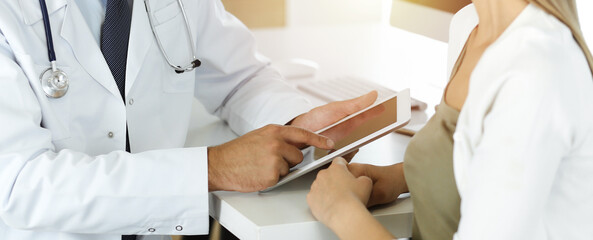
(355,131)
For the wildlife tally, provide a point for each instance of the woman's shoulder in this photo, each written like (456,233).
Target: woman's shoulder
(536,62)
(536,31)
(537,48)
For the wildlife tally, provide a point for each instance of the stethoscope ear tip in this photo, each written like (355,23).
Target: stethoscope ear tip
(194,64)
(197,63)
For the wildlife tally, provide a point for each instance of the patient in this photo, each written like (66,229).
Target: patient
(509,151)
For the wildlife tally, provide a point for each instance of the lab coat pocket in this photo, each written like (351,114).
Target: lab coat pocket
(179,83)
(171,31)
(169,12)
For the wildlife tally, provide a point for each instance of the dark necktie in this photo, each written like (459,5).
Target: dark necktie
(114,40)
(115,36)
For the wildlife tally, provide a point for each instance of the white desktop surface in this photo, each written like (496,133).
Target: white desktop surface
(394,58)
(284,214)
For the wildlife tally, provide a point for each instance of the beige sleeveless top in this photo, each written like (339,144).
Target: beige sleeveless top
(428,169)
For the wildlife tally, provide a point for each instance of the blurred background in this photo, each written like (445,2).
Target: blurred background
(427,17)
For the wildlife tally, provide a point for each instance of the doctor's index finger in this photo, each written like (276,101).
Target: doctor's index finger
(300,136)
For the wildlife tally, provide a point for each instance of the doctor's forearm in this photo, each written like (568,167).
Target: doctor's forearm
(101,194)
(264,99)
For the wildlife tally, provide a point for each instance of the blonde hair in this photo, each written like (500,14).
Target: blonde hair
(566,12)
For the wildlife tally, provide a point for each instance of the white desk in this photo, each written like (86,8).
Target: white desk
(392,57)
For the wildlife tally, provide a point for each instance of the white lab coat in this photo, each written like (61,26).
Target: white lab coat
(64,173)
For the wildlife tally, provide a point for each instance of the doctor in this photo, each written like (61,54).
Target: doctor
(93,129)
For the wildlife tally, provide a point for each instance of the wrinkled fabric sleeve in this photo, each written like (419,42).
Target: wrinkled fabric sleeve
(235,82)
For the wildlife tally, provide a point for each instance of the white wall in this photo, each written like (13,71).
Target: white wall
(329,12)
(420,19)
(412,17)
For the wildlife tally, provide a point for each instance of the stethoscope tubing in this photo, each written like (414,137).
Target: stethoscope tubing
(56,84)
(194,61)
(48,36)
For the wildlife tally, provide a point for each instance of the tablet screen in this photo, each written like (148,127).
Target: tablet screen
(353,132)
(360,126)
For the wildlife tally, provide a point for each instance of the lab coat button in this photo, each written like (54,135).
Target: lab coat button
(131,101)
(179,228)
(151,229)
(110,134)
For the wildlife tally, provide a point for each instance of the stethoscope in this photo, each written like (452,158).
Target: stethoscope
(56,84)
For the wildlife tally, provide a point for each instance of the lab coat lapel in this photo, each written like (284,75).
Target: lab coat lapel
(141,39)
(88,54)
(31,9)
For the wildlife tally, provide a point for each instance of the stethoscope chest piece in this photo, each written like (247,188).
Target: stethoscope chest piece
(54,83)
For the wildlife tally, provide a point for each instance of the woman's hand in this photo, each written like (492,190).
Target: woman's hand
(338,200)
(336,192)
(388,181)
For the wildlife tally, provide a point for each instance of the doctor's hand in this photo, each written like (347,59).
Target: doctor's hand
(256,160)
(330,113)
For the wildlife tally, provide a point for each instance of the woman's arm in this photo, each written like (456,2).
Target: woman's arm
(358,223)
(506,178)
